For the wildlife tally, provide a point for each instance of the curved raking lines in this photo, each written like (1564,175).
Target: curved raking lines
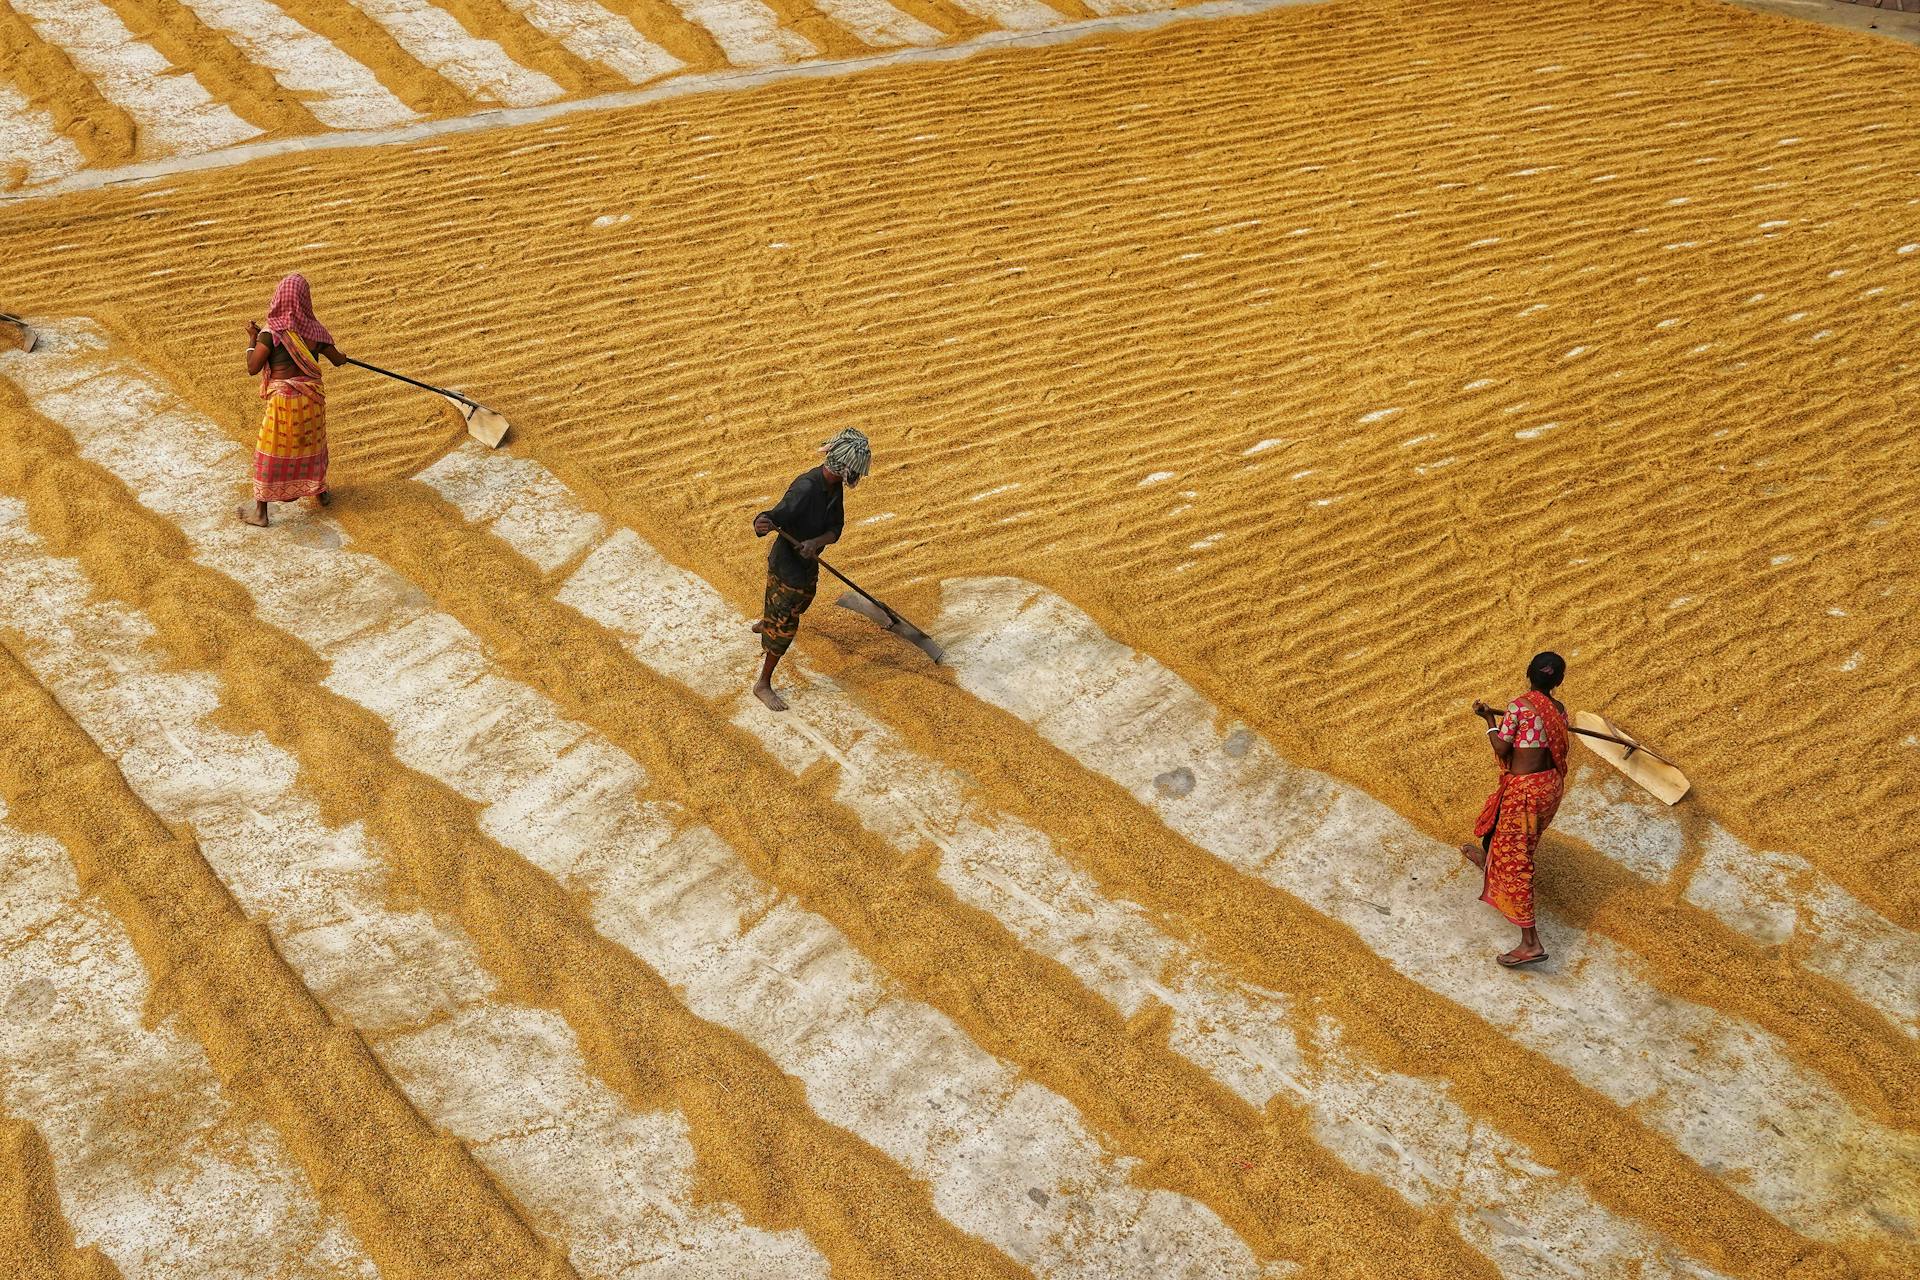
(1721,1090)
(1404,1131)
(995,1149)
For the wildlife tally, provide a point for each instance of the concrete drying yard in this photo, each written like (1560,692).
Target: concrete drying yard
(414,889)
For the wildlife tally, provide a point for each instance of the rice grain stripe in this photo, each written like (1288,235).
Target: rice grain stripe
(609,1184)
(1800,1152)
(340,92)
(231,77)
(420,87)
(172,112)
(416,1202)
(1518,1213)
(45,73)
(218,1192)
(888,1068)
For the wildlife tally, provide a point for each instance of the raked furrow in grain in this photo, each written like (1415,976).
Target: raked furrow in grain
(1404,1131)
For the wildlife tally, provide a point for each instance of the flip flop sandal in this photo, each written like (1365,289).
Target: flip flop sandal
(1515,964)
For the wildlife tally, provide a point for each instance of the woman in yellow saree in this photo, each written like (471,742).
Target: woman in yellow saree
(290,449)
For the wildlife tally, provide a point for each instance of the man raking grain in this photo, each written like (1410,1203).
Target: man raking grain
(807,520)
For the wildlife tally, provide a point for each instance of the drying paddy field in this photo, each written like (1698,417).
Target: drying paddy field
(413,889)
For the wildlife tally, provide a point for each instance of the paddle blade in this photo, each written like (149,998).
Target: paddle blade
(1656,777)
(17,332)
(483,424)
(892,622)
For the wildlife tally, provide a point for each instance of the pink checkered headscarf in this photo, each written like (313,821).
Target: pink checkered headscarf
(293,309)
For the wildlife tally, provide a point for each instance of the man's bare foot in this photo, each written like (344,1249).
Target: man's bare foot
(326,498)
(765,693)
(1473,853)
(1523,954)
(252,514)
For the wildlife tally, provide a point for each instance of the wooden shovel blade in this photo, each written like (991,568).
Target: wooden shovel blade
(1655,776)
(483,424)
(17,332)
(892,622)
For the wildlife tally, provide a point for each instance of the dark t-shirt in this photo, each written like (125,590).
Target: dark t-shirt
(812,507)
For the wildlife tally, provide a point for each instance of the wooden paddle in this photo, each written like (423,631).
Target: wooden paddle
(483,424)
(1648,769)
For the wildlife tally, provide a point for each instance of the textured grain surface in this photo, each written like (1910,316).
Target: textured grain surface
(1339,358)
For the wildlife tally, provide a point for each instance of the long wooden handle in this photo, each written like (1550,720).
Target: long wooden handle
(843,577)
(401,377)
(1630,746)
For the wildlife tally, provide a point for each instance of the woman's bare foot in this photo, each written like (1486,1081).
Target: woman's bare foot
(764,691)
(326,498)
(758,627)
(1473,853)
(255,515)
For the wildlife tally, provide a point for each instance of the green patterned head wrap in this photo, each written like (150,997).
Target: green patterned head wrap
(849,455)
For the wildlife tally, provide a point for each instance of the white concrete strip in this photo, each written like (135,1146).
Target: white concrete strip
(152,1163)
(747,31)
(171,111)
(1014,15)
(879,23)
(481,69)
(616,1187)
(341,93)
(32,150)
(726,81)
(889,1068)
(1408,1133)
(596,34)
(1724,1091)
(528,503)
(1777,899)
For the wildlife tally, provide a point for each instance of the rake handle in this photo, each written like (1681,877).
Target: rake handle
(401,377)
(1630,746)
(862,591)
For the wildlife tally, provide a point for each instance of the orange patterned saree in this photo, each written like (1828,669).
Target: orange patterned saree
(1518,811)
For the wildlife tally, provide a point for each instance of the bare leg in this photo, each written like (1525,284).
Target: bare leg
(257,516)
(763,688)
(1528,951)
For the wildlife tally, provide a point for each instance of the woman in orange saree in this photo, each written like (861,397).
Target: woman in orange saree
(290,449)
(1530,742)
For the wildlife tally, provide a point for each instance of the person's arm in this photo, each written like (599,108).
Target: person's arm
(332,353)
(785,513)
(1499,731)
(258,353)
(812,547)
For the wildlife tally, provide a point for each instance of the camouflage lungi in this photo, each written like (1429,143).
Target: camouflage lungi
(785,604)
